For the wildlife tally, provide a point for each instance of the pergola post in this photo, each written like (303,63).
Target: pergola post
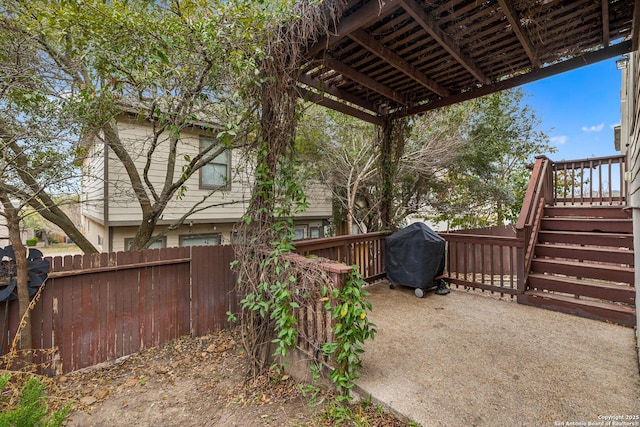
(392,134)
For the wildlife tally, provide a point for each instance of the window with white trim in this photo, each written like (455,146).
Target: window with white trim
(217,173)
(316,232)
(300,232)
(158,244)
(200,240)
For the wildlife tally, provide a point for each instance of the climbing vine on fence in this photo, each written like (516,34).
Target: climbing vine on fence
(351,329)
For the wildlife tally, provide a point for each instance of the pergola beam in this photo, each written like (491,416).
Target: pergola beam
(605,23)
(372,45)
(372,11)
(320,99)
(541,73)
(430,26)
(337,92)
(364,80)
(514,20)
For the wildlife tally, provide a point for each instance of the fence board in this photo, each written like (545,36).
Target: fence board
(217,293)
(99,308)
(183,311)
(87,322)
(212,293)
(102,290)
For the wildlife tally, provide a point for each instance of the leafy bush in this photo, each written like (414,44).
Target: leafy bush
(351,329)
(30,409)
(32,242)
(56,238)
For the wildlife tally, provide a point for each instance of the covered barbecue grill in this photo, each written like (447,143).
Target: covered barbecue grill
(415,256)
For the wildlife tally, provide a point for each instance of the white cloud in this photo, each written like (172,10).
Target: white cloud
(559,140)
(594,128)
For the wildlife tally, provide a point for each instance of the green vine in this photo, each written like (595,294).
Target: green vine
(351,329)
(270,306)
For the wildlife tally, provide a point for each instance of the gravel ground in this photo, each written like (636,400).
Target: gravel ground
(466,359)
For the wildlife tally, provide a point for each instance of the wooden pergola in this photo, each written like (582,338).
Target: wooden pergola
(395,58)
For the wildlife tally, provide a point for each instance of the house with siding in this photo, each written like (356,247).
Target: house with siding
(630,145)
(111,214)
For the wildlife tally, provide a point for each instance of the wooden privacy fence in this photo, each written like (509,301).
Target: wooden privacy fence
(95,308)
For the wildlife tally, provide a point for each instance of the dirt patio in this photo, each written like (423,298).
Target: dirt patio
(467,359)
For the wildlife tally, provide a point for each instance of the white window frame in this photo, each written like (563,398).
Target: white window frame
(204,143)
(217,236)
(161,243)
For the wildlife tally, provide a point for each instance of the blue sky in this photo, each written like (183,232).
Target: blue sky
(578,109)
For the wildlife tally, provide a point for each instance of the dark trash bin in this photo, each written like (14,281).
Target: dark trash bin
(414,257)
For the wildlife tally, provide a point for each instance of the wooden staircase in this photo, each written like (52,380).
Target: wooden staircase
(583,263)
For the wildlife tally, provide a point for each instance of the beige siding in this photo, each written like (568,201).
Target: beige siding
(124,208)
(631,121)
(223,208)
(630,143)
(96,233)
(222,205)
(176,237)
(319,198)
(92,198)
(4,232)
(172,239)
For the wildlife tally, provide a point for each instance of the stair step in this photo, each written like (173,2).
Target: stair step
(587,238)
(611,273)
(610,255)
(566,285)
(587,211)
(623,315)
(588,224)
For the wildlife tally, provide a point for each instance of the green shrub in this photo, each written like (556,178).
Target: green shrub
(56,238)
(32,242)
(31,407)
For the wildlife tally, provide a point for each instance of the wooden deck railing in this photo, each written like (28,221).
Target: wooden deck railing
(314,323)
(480,259)
(595,181)
(364,250)
(485,259)
(539,192)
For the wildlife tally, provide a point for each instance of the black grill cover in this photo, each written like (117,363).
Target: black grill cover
(414,256)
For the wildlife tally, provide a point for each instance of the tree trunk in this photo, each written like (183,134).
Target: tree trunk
(386,173)
(13,224)
(391,149)
(349,223)
(144,232)
(262,201)
(499,213)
